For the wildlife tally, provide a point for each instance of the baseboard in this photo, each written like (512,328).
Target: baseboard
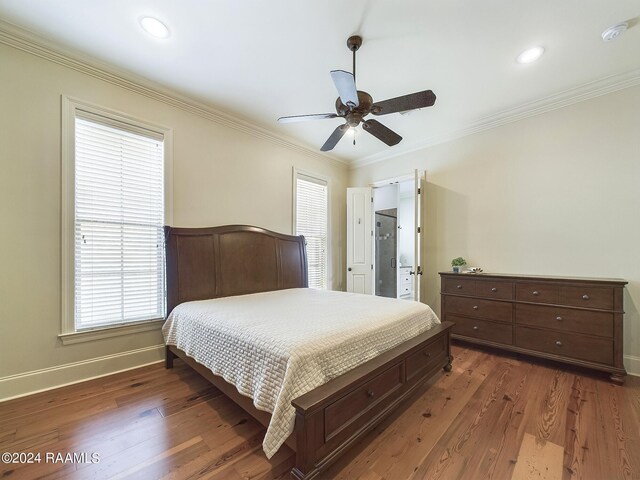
(27,383)
(22,384)
(632,365)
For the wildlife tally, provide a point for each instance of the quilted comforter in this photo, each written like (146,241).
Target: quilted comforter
(276,346)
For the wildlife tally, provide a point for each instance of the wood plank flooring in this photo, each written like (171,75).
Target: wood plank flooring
(493,417)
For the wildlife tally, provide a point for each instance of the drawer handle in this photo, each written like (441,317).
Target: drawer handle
(494,289)
(475,307)
(559,319)
(427,354)
(585,297)
(370,393)
(536,292)
(459,287)
(559,343)
(475,327)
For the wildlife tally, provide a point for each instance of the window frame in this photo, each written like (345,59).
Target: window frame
(70,107)
(322,178)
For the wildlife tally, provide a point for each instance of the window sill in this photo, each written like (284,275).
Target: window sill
(108,332)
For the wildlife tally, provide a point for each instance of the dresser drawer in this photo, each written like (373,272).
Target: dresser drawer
(565,319)
(360,401)
(587,296)
(537,292)
(491,289)
(475,307)
(482,329)
(425,359)
(573,345)
(404,290)
(461,286)
(405,278)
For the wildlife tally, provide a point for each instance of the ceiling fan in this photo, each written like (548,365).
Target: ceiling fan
(353,105)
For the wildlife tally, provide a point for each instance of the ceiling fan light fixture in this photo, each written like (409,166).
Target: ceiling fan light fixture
(530,55)
(154,27)
(354,105)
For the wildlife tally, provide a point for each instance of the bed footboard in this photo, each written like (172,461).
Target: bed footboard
(332,417)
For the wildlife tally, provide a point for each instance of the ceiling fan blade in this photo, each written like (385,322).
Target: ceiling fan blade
(381,132)
(404,103)
(303,118)
(335,137)
(346,86)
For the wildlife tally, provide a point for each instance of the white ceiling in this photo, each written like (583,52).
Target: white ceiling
(259,60)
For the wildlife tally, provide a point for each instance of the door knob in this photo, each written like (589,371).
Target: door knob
(349,269)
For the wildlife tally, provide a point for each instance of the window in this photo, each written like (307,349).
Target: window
(311,220)
(115,217)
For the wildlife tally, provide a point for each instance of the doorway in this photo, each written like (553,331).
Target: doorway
(394,239)
(386,263)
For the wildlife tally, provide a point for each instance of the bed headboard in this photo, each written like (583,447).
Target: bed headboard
(214,262)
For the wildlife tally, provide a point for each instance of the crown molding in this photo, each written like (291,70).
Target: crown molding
(22,39)
(27,41)
(574,95)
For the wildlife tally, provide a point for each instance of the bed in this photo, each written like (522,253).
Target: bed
(319,369)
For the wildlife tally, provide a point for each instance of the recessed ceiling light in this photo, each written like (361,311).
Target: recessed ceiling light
(154,27)
(614,31)
(530,55)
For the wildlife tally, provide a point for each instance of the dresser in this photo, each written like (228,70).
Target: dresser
(576,321)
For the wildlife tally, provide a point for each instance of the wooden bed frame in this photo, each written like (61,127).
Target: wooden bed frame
(205,263)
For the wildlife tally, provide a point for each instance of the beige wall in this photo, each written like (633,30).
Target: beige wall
(221,176)
(555,194)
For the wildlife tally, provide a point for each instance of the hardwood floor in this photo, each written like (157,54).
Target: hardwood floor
(492,417)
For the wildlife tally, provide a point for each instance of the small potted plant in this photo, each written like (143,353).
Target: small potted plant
(457,264)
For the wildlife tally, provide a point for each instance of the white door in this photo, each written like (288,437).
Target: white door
(418,268)
(359,240)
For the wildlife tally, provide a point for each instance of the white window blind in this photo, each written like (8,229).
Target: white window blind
(311,221)
(119,218)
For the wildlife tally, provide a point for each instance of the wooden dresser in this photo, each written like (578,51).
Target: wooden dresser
(571,320)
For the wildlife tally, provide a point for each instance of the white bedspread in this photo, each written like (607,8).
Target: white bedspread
(276,346)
